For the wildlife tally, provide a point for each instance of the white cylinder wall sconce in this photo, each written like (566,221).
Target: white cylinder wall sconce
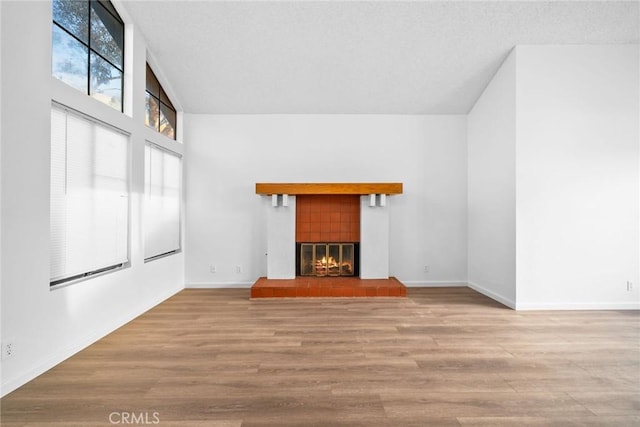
(278,200)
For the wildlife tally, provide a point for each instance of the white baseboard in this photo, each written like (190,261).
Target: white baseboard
(433,283)
(64,353)
(407,283)
(494,296)
(579,306)
(218,285)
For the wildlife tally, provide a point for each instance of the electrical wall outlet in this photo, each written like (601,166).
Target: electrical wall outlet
(426,268)
(7,349)
(212,269)
(629,285)
(238,269)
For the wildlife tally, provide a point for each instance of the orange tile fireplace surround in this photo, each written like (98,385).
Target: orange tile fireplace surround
(328,213)
(332,218)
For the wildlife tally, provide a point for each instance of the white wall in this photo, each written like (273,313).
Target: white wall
(227,155)
(554,205)
(577,176)
(46,326)
(491,138)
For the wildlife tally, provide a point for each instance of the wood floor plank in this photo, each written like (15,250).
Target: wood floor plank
(475,404)
(441,357)
(630,421)
(609,403)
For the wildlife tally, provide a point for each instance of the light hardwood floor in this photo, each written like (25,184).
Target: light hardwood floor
(440,357)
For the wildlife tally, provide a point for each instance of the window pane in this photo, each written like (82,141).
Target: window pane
(158,101)
(69,60)
(164,98)
(107,5)
(162,202)
(106,82)
(73,15)
(167,121)
(152,113)
(106,35)
(153,86)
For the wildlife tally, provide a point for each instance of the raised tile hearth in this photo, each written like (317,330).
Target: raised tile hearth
(323,287)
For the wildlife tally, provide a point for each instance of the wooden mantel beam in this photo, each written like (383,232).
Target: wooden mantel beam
(329,188)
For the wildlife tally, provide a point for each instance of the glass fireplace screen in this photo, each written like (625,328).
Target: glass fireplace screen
(327,259)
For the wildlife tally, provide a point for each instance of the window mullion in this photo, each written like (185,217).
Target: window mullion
(89,49)
(70,33)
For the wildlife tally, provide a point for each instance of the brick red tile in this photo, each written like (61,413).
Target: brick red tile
(304,238)
(326,287)
(303,216)
(383,291)
(303,227)
(394,291)
(371,291)
(347,291)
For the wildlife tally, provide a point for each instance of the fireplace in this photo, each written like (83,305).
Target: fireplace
(326,214)
(327,259)
(327,235)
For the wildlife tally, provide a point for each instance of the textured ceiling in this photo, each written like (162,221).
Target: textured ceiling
(356,57)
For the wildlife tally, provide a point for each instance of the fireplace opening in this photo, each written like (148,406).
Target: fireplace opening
(327,259)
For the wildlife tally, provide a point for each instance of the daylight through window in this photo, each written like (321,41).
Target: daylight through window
(160,113)
(88,48)
(89,197)
(162,202)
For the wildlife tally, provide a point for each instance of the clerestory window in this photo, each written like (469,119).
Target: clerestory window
(160,113)
(88,48)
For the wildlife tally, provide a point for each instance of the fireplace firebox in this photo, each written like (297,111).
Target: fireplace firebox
(327,259)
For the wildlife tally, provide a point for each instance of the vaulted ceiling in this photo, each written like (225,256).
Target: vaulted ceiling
(356,57)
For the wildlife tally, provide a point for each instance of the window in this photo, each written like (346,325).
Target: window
(162,202)
(89,197)
(161,115)
(88,48)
